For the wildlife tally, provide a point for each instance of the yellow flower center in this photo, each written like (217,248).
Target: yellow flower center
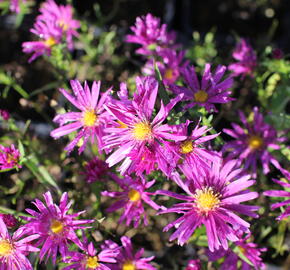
(121,124)
(255,142)
(168,74)
(63,25)
(50,42)
(11,158)
(56,226)
(242,250)
(142,131)
(5,248)
(128,266)
(89,118)
(206,199)
(200,96)
(186,147)
(92,262)
(134,195)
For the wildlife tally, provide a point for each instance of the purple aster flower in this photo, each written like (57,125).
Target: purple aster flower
(249,251)
(246,57)
(96,170)
(92,260)
(209,91)
(49,35)
(170,65)
(9,157)
(213,200)
(191,154)
(14,249)
(132,198)
(151,35)
(252,141)
(126,259)
(139,132)
(193,265)
(91,120)
(62,16)
(9,220)
(5,114)
(56,228)
(282,194)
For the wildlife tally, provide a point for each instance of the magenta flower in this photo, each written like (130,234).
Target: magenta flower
(249,250)
(151,35)
(191,154)
(9,220)
(209,91)
(213,200)
(252,141)
(126,259)
(91,259)
(281,194)
(95,170)
(91,120)
(246,57)
(132,198)
(49,35)
(5,115)
(15,5)
(62,16)
(14,249)
(54,226)
(193,265)
(170,65)
(138,132)
(9,157)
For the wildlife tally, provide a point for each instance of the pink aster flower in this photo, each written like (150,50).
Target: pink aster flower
(132,198)
(15,248)
(251,142)
(191,154)
(126,259)
(170,65)
(281,194)
(213,200)
(211,90)
(91,259)
(9,220)
(193,265)
(246,57)
(139,132)
(55,227)
(151,35)
(62,16)
(95,170)
(49,35)
(9,157)
(5,114)
(90,121)
(248,249)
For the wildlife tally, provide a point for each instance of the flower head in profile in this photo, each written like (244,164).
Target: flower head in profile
(90,121)
(55,227)
(95,170)
(9,220)
(246,59)
(247,249)
(251,142)
(151,35)
(91,259)
(15,248)
(62,16)
(5,115)
(281,194)
(132,199)
(213,201)
(170,65)
(138,136)
(9,157)
(127,258)
(211,90)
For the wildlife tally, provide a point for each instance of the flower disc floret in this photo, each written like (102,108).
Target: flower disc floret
(128,265)
(255,142)
(6,248)
(92,262)
(186,147)
(142,131)
(89,118)
(56,226)
(200,96)
(206,200)
(134,195)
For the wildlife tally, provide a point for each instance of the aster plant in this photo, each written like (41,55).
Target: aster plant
(212,200)
(54,226)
